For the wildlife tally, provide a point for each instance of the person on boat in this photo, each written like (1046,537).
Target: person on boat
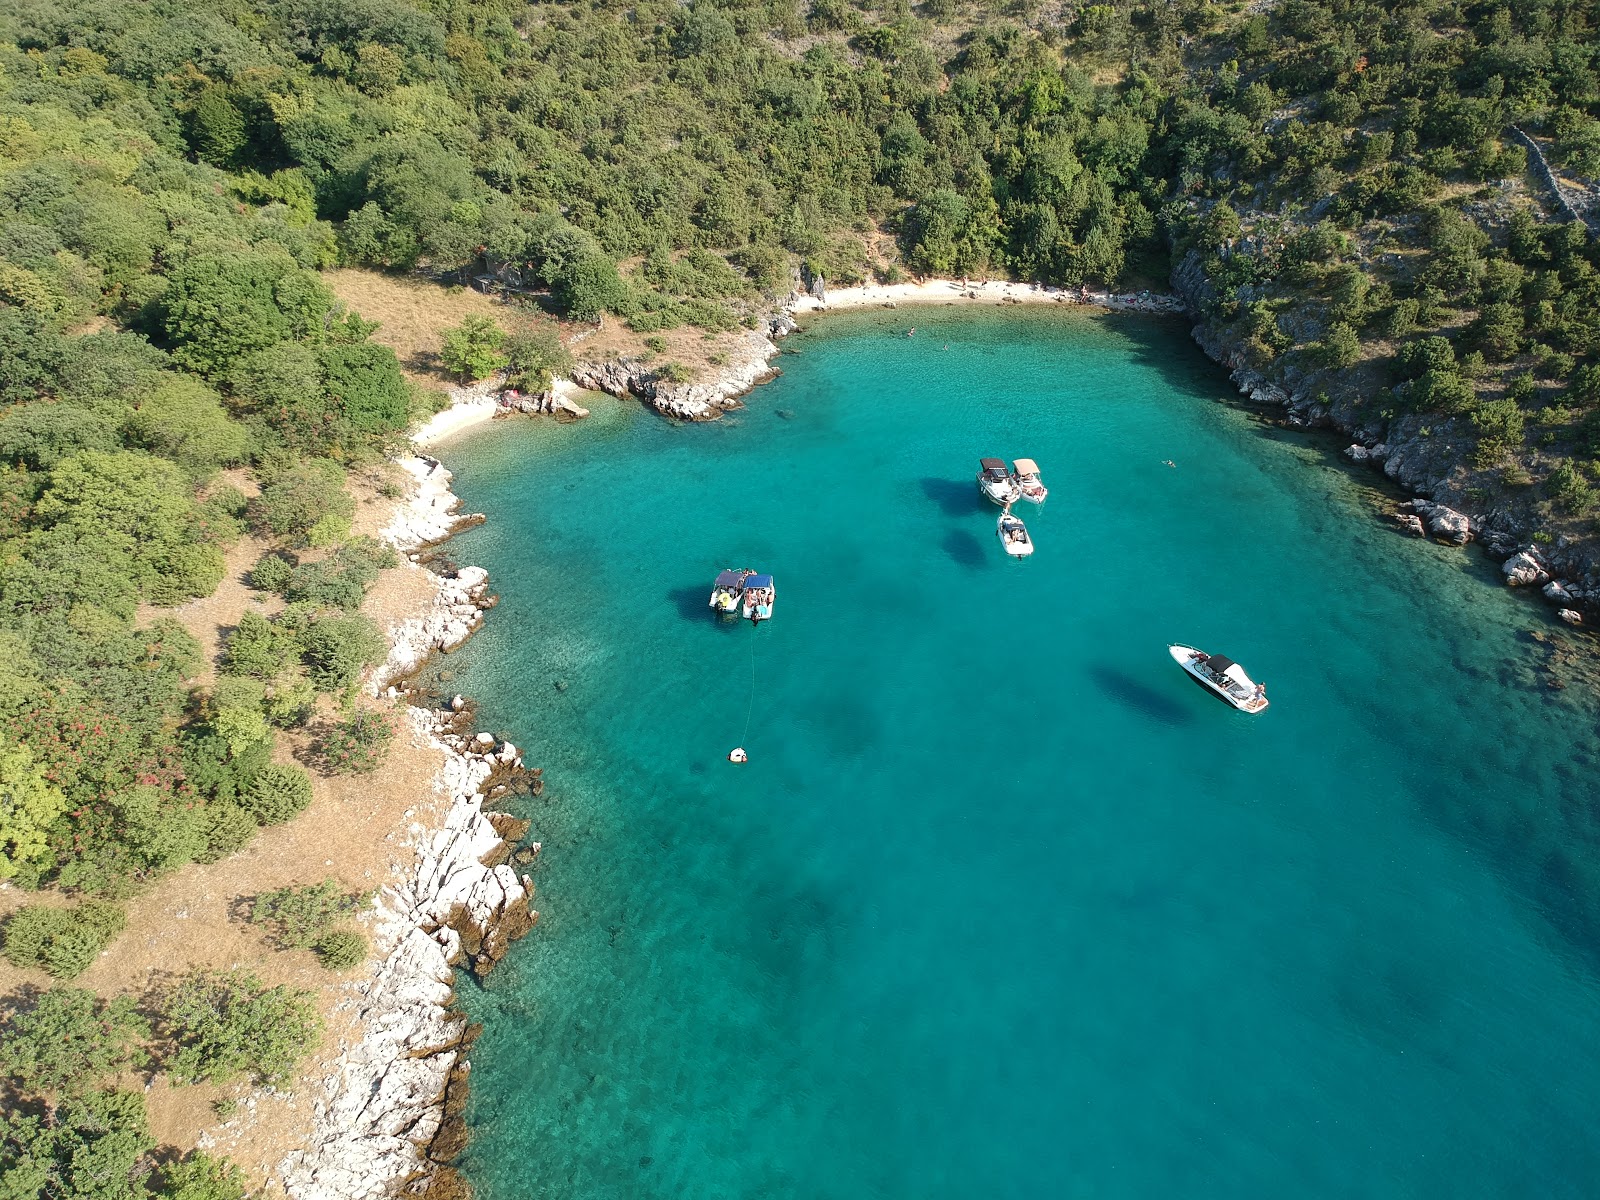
(1261,691)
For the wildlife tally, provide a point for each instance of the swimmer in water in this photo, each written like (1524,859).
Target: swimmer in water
(1167,462)
(912,332)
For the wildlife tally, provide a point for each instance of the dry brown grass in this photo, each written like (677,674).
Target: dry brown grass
(413,313)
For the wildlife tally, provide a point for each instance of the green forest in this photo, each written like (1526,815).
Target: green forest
(174,372)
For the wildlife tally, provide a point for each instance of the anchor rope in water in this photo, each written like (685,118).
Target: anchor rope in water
(752,706)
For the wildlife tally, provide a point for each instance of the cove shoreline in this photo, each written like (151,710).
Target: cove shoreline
(392,1116)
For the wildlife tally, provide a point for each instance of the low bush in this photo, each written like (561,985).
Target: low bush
(62,941)
(304,915)
(357,744)
(70,1041)
(276,794)
(271,573)
(342,949)
(227,1024)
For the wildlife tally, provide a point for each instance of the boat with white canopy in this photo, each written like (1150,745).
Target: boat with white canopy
(1025,474)
(1222,677)
(995,482)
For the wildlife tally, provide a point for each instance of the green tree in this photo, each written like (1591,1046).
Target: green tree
(183,420)
(227,1024)
(308,496)
(90,1147)
(223,305)
(29,805)
(472,349)
(534,354)
(337,649)
(70,1041)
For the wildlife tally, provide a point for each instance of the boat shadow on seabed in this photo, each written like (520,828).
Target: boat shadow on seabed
(1130,693)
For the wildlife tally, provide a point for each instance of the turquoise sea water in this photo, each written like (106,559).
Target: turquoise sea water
(1003,905)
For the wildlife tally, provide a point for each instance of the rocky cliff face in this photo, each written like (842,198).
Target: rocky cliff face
(1431,456)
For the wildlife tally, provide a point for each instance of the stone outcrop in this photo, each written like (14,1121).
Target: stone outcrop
(696,400)
(1444,522)
(430,514)
(1524,570)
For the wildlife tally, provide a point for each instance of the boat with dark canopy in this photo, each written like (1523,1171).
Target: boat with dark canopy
(728,590)
(995,481)
(1222,677)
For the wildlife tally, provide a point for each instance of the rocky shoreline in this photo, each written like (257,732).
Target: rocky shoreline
(391,1112)
(1406,451)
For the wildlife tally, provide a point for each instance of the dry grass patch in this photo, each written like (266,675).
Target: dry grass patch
(413,314)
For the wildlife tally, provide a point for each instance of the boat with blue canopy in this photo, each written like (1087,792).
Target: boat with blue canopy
(759,596)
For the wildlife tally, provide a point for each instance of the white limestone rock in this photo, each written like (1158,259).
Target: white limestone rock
(1524,570)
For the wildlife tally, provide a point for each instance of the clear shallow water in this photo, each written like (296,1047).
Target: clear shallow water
(1002,904)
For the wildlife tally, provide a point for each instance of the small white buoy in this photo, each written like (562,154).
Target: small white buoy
(737,755)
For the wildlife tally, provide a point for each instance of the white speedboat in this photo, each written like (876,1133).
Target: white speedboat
(995,482)
(727,591)
(1013,535)
(759,597)
(1222,677)
(1025,474)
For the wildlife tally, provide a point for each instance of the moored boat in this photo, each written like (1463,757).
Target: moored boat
(1013,535)
(995,482)
(1025,474)
(727,591)
(1222,677)
(759,597)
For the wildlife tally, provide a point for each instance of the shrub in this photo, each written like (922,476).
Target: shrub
(271,573)
(256,647)
(227,1024)
(276,794)
(92,1147)
(62,941)
(70,1040)
(306,496)
(303,915)
(198,1176)
(342,949)
(472,349)
(227,827)
(337,649)
(1571,489)
(357,744)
